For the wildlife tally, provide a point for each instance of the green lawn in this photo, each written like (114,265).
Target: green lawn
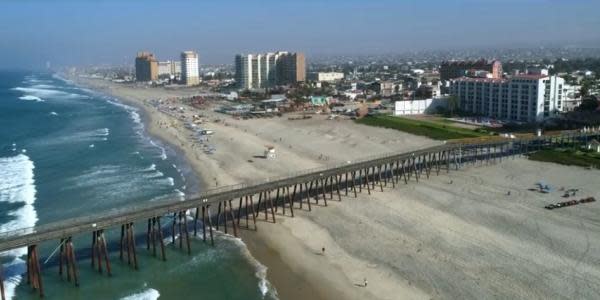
(567,157)
(433,129)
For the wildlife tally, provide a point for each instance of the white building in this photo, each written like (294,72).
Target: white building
(572,97)
(419,107)
(243,71)
(523,98)
(169,68)
(327,76)
(190,74)
(257,71)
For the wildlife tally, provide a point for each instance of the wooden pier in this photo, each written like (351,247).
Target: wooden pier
(234,207)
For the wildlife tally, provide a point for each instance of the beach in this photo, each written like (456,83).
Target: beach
(435,239)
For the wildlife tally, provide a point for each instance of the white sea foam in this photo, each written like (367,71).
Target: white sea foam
(154,174)
(32,80)
(49,93)
(152,167)
(264,285)
(146,294)
(85,136)
(56,76)
(31,98)
(44,86)
(113,180)
(180,194)
(136,117)
(11,283)
(163,152)
(17,186)
(53,113)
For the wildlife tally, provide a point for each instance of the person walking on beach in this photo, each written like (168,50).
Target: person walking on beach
(323,250)
(365,282)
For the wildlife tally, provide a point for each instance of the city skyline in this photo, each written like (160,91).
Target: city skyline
(110,32)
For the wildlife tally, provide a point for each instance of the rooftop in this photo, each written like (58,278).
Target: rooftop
(530,76)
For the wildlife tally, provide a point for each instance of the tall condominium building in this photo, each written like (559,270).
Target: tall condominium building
(523,98)
(254,71)
(146,67)
(190,74)
(457,69)
(291,68)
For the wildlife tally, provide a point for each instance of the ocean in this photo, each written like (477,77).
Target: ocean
(65,152)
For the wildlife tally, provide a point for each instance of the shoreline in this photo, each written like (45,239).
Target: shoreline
(149,119)
(289,287)
(290,249)
(465,238)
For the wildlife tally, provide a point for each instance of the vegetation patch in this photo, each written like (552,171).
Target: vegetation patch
(435,130)
(568,157)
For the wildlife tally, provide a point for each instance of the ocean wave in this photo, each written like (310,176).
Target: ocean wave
(17,265)
(133,114)
(56,76)
(53,113)
(152,167)
(146,294)
(31,98)
(113,180)
(17,186)
(264,286)
(154,174)
(87,136)
(44,86)
(49,93)
(32,80)
(163,151)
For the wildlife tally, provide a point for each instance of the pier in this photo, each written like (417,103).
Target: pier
(233,208)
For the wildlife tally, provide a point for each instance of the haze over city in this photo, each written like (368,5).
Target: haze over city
(107,32)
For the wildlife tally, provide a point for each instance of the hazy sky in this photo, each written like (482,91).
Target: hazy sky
(95,32)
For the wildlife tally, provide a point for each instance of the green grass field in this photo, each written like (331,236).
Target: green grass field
(567,157)
(436,130)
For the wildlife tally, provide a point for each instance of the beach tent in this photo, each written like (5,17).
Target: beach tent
(594,145)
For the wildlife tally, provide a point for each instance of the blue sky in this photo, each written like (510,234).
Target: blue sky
(95,32)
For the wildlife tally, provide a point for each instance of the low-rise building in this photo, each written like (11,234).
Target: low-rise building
(419,107)
(572,97)
(326,76)
(384,88)
(169,68)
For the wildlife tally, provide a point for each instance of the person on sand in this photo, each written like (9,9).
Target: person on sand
(365,282)
(323,250)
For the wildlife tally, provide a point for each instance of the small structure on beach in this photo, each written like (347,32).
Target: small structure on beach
(594,145)
(269,152)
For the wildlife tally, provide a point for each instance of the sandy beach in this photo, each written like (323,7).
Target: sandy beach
(429,240)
